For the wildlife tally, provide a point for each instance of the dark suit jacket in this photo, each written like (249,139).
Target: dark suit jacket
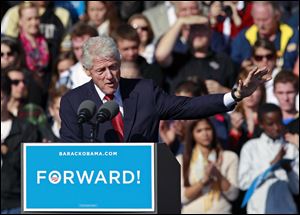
(144,105)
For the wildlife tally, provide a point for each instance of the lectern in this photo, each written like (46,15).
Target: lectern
(99,178)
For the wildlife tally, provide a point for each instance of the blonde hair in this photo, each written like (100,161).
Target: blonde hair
(25,5)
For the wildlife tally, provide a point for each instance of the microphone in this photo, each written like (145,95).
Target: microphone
(107,111)
(85,111)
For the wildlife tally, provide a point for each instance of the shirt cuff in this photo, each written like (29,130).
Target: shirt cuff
(228,100)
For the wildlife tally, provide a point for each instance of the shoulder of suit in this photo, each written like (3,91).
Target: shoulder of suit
(140,85)
(83,89)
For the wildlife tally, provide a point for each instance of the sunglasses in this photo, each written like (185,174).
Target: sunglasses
(261,57)
(142,28)
(8,54)
(16,82)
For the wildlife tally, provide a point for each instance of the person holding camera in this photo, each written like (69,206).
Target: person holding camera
(230,17)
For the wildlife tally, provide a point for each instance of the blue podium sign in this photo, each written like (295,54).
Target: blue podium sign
(88,177)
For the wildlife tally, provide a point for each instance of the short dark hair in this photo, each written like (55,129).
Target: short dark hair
(80,29)
(195,88)
(5,85)
(267,108)
(264,43)
(286,76)
(125,32)
(16,48)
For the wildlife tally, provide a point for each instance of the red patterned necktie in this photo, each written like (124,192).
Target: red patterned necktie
(117,121)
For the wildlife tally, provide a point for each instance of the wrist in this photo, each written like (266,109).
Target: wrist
(236,95)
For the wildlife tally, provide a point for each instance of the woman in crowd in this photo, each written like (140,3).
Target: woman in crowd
(10,53)
(63,63)
(146,35)
(209,174)
(19,92)
(102,15)
(36,51)
(244,122)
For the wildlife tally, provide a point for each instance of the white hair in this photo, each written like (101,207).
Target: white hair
(100,46)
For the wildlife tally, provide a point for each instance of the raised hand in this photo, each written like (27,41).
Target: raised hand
(256,77)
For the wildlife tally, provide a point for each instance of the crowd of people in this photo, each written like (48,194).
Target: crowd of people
(188,48)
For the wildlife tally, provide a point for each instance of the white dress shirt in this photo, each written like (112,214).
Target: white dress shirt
(74,77)
(275,194)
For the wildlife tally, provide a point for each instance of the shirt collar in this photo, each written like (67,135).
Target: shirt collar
(265,138)
(117,94)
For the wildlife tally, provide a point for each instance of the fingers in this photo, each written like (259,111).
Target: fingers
(240,85)
(261,71)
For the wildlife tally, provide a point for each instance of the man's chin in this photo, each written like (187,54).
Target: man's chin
(110,90)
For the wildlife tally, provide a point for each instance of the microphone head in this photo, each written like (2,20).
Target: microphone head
(86,111)
(107,111)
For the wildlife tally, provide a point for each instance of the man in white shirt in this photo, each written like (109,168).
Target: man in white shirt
(76,75)
(275,195)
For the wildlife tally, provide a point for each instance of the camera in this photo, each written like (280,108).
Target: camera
(227,10)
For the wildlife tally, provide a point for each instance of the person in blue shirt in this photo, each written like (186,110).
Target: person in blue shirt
(267,25)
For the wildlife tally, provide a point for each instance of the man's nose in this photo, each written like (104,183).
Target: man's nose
(108,74)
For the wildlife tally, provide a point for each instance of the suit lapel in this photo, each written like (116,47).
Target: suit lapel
(129,106)
(94,95)
(129,98)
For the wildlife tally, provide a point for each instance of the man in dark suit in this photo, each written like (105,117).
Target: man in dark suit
(142,104)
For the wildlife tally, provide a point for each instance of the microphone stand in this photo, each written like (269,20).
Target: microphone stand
(92,131)
(81,132)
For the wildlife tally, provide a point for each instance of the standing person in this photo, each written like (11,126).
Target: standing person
(216,69)
(76,75)
(244,121)
(161,17)
(13,132)
(55,23)
(128,42)
(10,53)
(142,103)
(102,15)
(286,89)
(267,25)
(37,56)
(264,55)
(209,174)
(19,93)
(144,29)
(53,108)
(230,17)
(274,195)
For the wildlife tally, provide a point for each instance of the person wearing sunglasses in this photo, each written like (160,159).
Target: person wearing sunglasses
(267,18)
(143,27)
(10,52)
(264,54)
(14,131)
(18,90)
